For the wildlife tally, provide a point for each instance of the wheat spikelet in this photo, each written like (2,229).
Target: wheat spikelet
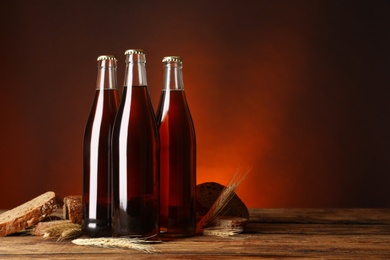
(70,233)
(223,199)
(62,231)
(222,231)
(120,243)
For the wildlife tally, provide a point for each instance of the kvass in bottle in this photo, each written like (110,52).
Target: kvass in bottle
(97,151)
(135,151)
(177,155)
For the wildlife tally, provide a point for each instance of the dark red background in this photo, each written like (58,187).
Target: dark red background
(298,90)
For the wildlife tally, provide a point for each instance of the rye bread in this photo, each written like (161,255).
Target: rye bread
(208,192)
(29,213)
(73,208)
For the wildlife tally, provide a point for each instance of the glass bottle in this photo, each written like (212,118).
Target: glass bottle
(135,144)
(177,155)
(97,151)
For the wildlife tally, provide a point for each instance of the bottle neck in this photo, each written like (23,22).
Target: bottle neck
(106,77)
(135,73)
(173,76)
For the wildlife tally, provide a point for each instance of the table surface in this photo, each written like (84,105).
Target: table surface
(270,234)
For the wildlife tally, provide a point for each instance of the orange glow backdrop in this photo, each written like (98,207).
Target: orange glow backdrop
(297,90)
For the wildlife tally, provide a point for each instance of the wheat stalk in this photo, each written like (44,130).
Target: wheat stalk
(223,199)
(119,242)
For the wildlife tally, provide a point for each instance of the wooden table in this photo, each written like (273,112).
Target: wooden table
(270,234)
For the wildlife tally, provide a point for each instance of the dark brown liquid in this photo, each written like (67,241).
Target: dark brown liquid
(135,154)
(97,164)
(177,165)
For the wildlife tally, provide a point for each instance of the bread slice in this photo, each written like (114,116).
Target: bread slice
(29,213)
(73,208)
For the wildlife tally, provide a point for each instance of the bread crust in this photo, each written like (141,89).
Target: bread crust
(29,213)
(73,208)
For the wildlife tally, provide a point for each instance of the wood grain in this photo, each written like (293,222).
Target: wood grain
(271,234)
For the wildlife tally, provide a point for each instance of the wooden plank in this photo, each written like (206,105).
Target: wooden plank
(357,216)
(318,229)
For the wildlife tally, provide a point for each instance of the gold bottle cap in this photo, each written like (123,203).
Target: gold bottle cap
(134,51)
(106,57)
(172,59)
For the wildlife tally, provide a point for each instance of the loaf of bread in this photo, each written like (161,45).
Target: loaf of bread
(208,192)
(73,208)
(29,213)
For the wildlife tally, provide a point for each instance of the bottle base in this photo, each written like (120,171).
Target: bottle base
(148,236)
(97,232)
(95,228)
(173,233)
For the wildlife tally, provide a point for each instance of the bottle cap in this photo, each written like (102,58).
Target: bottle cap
(106,57)
(172,59)
(134,51)
(135,56)
(106,61)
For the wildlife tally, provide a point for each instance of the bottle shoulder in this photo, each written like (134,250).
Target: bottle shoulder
(174,104)
(135,112)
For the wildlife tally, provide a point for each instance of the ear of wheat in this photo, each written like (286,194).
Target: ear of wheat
(222,231)
(118,242)
(63,231)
